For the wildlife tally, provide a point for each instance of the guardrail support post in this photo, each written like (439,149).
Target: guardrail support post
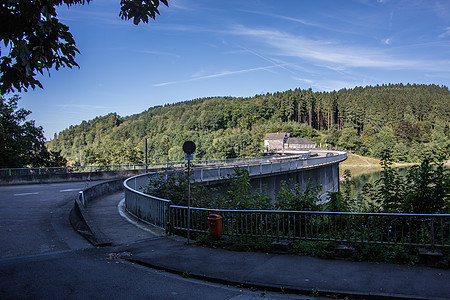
(278,227)
(82,198)
(432,233)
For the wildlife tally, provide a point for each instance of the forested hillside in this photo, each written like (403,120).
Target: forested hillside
(411,120)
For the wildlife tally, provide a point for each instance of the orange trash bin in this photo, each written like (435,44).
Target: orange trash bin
(215,226)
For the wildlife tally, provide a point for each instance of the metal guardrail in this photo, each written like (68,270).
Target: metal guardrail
(5,172)
(428,230)
(262,167)
(432,230)
(150,209)
(67,170)
(154,210)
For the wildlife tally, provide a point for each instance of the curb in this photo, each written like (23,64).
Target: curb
(81,222)
(275,288)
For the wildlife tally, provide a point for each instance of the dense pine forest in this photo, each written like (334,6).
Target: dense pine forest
(411,120)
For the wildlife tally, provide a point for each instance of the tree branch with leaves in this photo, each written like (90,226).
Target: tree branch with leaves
(36,41)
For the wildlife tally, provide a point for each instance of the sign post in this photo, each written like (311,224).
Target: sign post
(146,168)
(189,149)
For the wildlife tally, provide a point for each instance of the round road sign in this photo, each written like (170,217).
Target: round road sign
(189,147)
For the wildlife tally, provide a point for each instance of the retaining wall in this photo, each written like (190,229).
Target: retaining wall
(101,189)
(70,177)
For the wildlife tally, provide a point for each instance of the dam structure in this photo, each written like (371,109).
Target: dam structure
(267,175)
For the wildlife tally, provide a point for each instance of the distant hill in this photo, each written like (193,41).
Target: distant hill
(412,120)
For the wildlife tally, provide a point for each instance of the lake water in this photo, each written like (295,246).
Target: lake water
(371,177)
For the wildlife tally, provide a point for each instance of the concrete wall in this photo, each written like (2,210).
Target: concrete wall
(53,178)
(270,184)
(327,176)
(101,189)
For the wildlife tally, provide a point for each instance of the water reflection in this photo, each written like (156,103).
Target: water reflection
(358,182)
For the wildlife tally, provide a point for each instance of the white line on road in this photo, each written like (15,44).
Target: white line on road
(27,194)
(69,190)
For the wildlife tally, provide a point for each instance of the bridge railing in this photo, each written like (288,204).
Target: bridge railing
(5,172)
(262,167)
(154,210)
(149,209)
(427,230)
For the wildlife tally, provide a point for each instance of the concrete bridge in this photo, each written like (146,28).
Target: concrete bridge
(266,174)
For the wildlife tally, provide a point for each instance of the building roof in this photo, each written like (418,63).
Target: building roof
(299,141)
(277,136)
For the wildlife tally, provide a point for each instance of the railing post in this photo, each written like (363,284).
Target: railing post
(169,220)
(348,229)
(82,198)
(278,227)
(432,233)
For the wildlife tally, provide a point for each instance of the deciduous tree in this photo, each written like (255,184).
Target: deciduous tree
(22,143)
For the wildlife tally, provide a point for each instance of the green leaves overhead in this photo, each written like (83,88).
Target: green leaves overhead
(140,10)
(38,42)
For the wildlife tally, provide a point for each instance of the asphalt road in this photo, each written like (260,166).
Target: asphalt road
(42,257)
(34,219)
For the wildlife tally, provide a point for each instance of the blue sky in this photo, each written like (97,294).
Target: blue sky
(239,48)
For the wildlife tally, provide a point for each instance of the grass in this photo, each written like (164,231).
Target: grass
(361,161)
(359,165)
(407,255)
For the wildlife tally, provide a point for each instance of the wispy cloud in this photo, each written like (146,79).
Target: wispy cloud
(335,55)
(297,20)
(446,33)
(82,106)
(221,74)
(387,41)
(307,22)
(328,84)
(160,53)
(275,63)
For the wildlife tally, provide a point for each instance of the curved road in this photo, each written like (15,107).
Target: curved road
(41,256)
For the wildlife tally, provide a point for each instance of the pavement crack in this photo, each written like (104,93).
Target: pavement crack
(119,255)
